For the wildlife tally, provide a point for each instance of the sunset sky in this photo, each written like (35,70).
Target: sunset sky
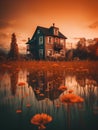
(75,19)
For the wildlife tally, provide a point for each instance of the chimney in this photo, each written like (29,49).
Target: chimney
(53,24)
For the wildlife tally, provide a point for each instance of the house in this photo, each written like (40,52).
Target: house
(47,43)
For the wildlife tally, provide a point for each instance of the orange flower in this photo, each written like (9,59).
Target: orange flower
(28,105)
(62,88)
(70,91)
(71,98)
(41,119)
(18,111)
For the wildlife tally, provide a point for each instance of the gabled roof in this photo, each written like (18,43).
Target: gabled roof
(48,32)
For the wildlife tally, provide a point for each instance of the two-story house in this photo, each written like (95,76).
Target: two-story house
(47,43)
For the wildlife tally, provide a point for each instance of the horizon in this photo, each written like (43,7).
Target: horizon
(74,18)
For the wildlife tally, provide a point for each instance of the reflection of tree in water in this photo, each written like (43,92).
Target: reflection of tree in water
(4,86)
(14,80)
(81,79)
(88,86)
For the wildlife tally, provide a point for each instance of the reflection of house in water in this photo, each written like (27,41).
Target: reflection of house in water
(70,81)
(45,84)
(36,79)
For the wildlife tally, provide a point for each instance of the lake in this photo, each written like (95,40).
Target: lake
(26,92)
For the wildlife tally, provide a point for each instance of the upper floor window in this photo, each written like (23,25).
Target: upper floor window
(56,40)
(38,31)
(55,31)
(41,40)
(49,39)
(28,47)
(61,40)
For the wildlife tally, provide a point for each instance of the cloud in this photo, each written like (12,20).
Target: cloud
(5,24)
(93,25)
(3,38)
(12,23)
(77,38)
(3,35)
(24,40)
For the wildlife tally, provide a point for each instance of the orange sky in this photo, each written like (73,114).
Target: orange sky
(75,18)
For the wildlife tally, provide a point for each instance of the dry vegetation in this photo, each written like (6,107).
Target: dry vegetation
(74,66)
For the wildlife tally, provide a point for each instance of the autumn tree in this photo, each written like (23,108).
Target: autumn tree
(81,50)
(13,53)
(93,51)
(69,55)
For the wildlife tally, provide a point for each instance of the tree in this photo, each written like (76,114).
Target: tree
(93,51)
(69,54)
(81,50)
(13,53)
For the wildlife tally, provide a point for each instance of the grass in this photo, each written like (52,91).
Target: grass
(87,66)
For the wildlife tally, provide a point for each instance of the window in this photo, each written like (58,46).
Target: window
(49,39)
(41,40)
(55,31)
(28,48)
(56,40)
(40,53)
(49,53)
(61,40)
(62,53)
(38,31)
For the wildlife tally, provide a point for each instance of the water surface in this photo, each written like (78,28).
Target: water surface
(24,93)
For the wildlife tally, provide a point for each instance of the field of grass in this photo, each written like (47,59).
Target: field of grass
(87,66)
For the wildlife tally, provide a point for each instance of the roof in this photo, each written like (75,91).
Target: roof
(48,32)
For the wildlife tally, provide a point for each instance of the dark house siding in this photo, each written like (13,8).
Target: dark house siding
(39,45)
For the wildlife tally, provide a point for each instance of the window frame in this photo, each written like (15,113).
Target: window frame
(41,40)
(41,53)
(51,52)
(50,40)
